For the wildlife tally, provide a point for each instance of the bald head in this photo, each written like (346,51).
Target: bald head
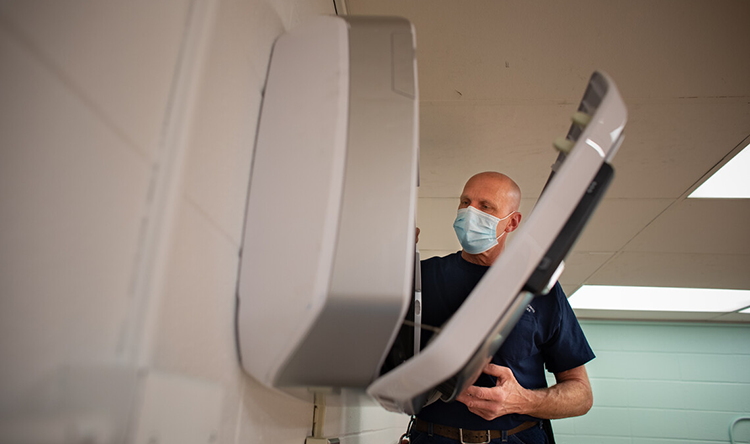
(496,187)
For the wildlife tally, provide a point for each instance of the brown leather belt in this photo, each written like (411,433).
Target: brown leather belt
(469,436)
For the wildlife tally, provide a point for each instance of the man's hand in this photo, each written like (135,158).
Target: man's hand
(571,396)
(492,402)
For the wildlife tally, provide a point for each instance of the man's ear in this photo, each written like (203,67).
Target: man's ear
(515,221)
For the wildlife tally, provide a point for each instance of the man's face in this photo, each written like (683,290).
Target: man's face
(497,195)
(487,195)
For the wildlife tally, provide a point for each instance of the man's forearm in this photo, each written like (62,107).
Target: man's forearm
(562,400)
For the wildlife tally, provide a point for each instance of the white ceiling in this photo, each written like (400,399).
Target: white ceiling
(499,80)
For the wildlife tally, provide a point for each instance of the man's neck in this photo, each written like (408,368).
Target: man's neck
(485,259)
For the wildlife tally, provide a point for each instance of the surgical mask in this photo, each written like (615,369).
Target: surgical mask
(477,230)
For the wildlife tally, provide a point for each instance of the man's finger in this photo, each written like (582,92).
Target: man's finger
(497,371)
(482,407)
(474,402)
(475,392)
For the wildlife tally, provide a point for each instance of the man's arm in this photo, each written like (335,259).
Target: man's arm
(570,396)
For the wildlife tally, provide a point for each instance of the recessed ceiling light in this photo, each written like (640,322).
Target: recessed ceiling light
(605,297)
(730,181)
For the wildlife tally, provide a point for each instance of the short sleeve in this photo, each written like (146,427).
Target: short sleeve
(566,347)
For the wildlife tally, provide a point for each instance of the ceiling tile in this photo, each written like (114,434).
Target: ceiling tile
(676,270)
(520,49)
(616,221)
(667,148)
(670,145)
(579,266)
(458,141)
(715,226)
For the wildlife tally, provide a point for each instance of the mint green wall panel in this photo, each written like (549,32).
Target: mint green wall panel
(675,441)
(663,337)
(664,383)
(719,368)
(603,421)
(685,424)
(596,439)
(635,365)
(679,395)
(611,392)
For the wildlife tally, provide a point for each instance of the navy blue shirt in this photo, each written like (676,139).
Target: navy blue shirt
(547,335)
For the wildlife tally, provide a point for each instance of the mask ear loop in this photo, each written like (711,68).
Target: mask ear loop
(509,215)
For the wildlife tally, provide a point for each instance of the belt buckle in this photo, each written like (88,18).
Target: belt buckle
(461,437)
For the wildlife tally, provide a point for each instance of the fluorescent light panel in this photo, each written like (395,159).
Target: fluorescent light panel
(605,297)
(730,182)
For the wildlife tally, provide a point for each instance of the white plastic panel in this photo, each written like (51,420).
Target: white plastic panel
(295,194)
(326,270)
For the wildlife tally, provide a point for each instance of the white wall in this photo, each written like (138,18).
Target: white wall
(127,131)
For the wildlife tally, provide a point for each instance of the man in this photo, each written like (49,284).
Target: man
(511,398)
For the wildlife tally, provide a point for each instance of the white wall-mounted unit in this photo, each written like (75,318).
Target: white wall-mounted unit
(327,257)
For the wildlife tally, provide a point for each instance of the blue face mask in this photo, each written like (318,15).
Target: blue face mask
(477,230)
